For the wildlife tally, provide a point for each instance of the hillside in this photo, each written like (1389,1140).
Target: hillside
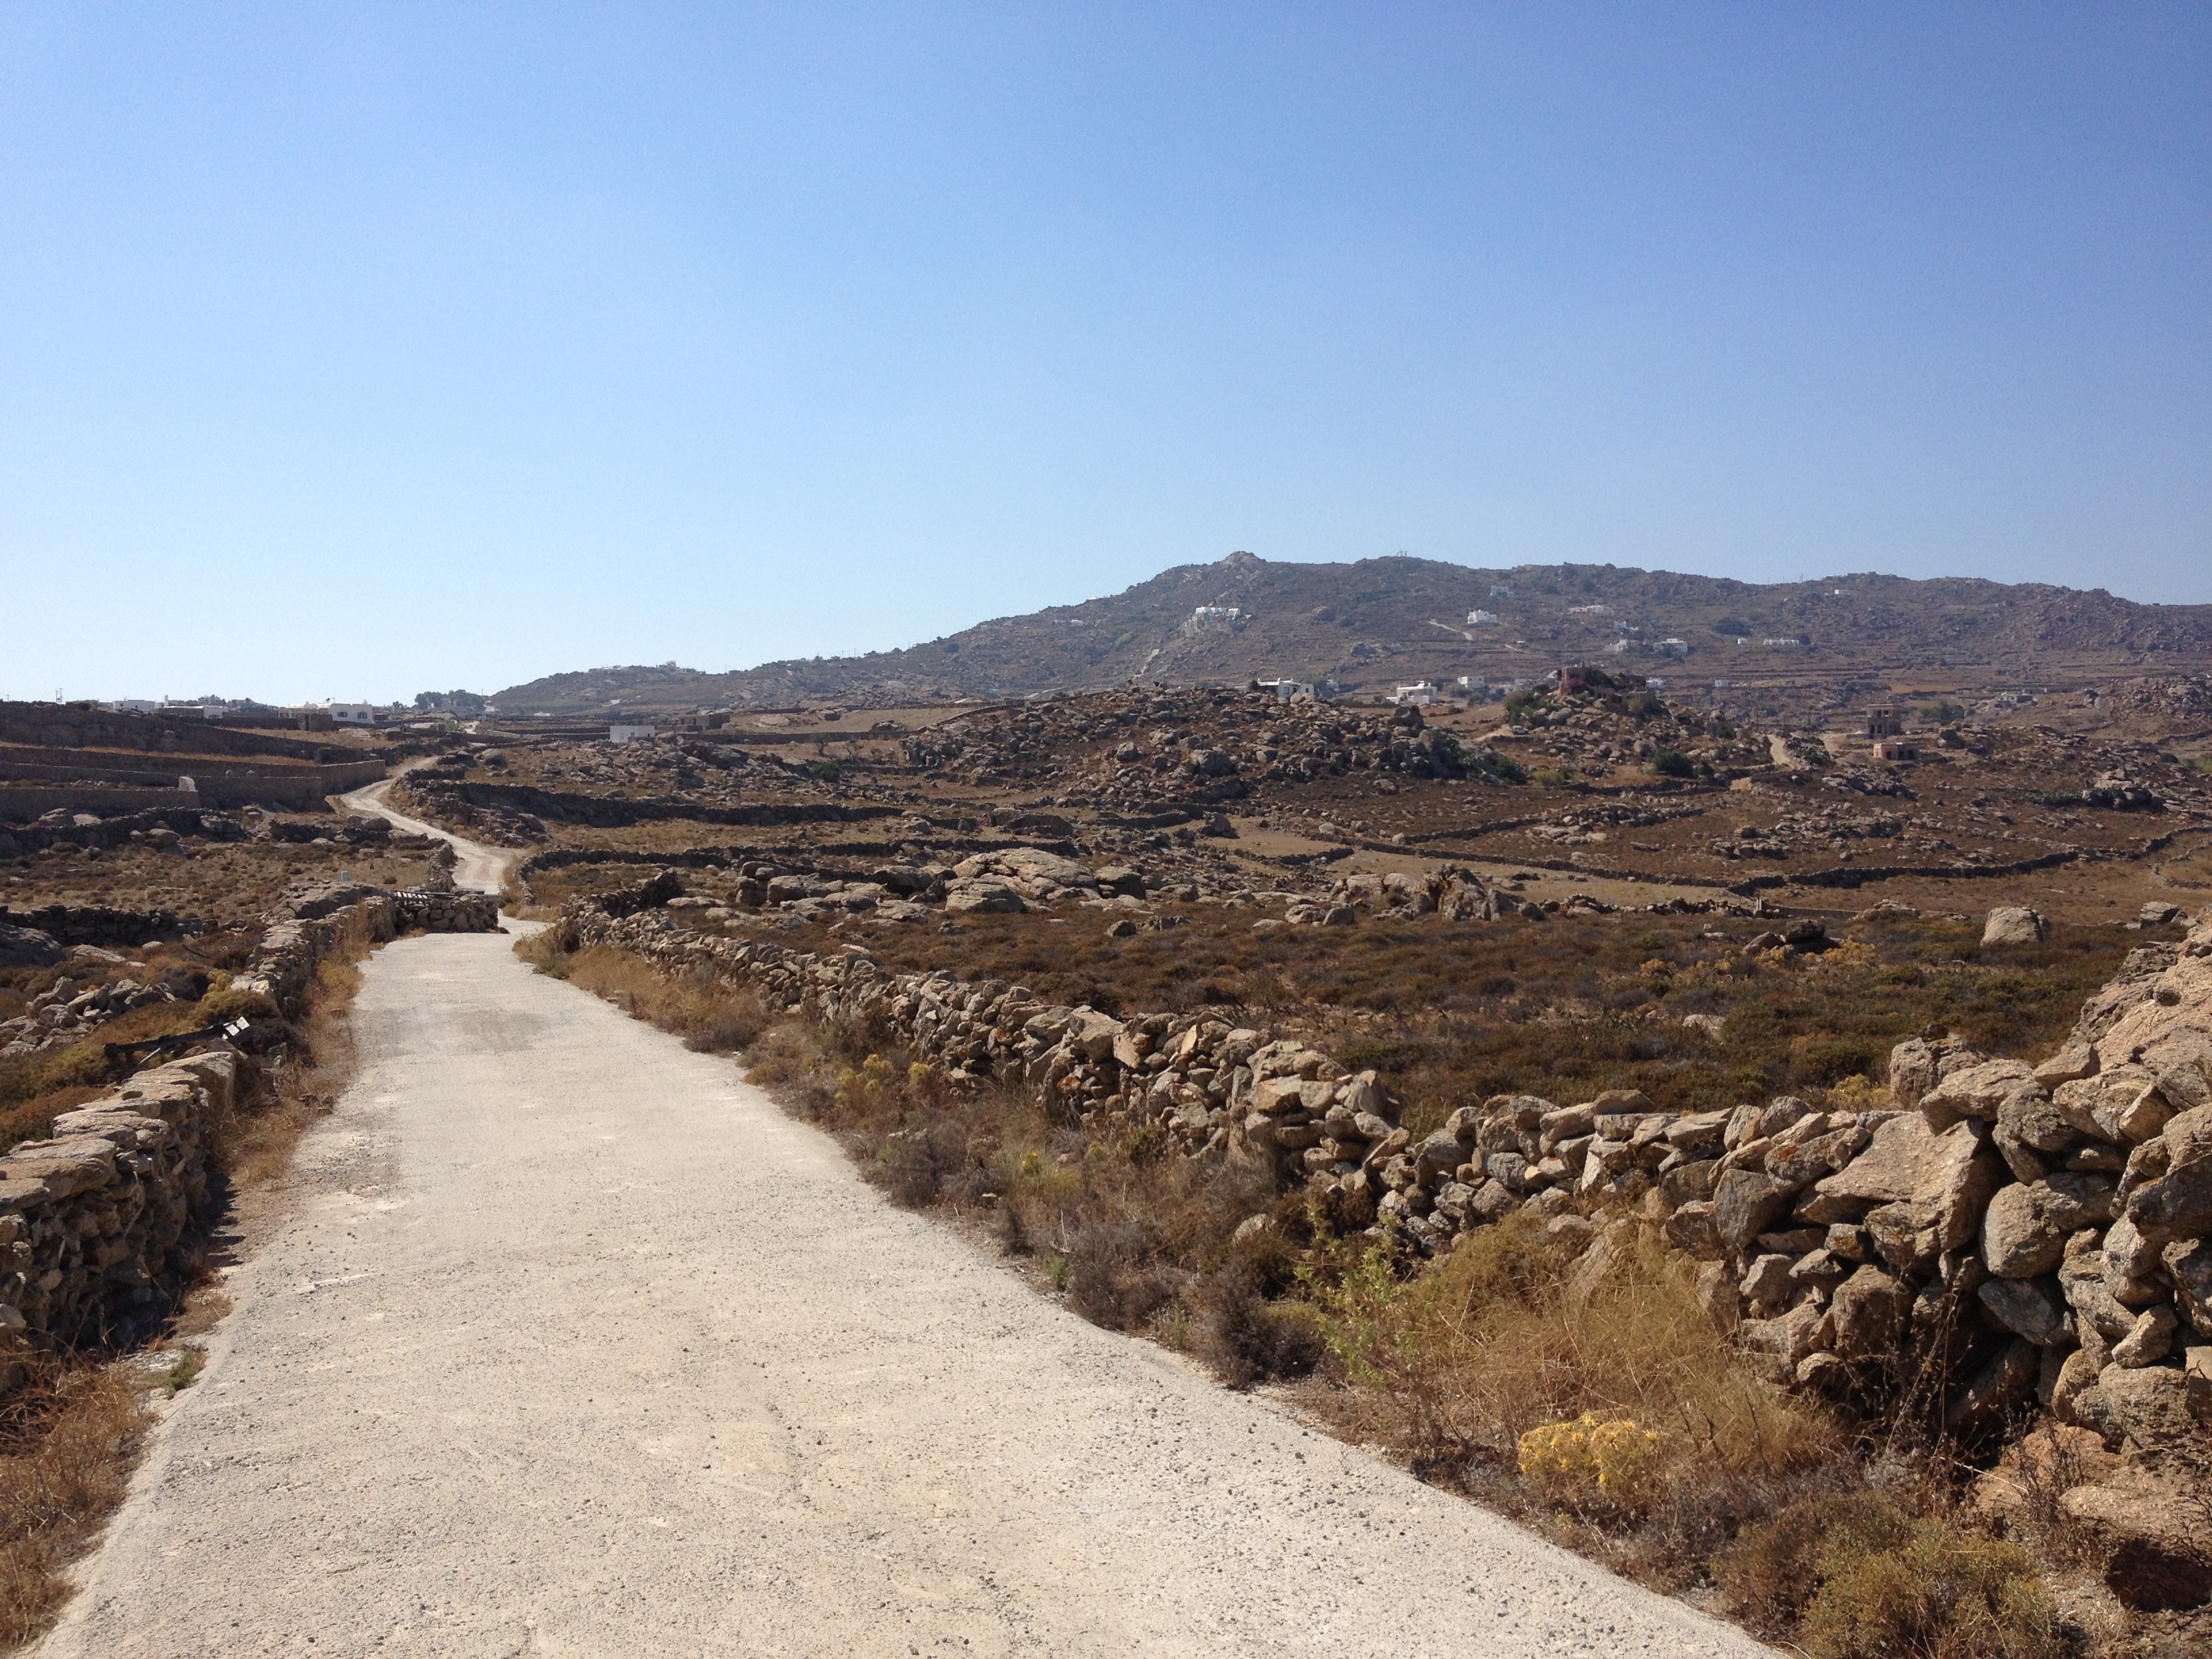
(1380,620)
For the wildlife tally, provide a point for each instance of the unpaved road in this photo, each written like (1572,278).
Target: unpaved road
(480,867)
(574,1344)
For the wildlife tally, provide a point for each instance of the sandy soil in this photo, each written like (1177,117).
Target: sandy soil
(573,1344)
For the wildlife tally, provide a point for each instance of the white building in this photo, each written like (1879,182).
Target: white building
(1482,619)
(1420,695)
(1672,647)
(352,714)
(1473,686)
(1287,688)
(629,734)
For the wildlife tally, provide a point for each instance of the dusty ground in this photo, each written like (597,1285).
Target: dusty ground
(575,1344)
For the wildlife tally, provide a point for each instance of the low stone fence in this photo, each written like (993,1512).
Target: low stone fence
(294,946)
(20,803)
(2003,1233)
(95,924)
(94,1222)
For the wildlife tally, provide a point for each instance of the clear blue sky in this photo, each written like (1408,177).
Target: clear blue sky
(354,349)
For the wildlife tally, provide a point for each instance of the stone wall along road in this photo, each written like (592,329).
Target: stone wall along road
(574,1343)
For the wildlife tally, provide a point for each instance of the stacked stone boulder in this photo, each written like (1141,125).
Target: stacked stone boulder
(2011,1233)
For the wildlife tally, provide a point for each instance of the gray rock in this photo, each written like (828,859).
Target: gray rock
(2176,1205)
(2013,924)
(2018,1240)
(2189,1265)
(1869,1309)
(2082,1281)
(1693,1230)
(1979,1090)
(1745,1201)
(2151,1339)
(1766,1282)
(2030,1309)
(2024,1230)
(2146,1405)
(27,947)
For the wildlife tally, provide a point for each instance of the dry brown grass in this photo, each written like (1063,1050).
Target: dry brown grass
(710,1013)
(68,1440)
(1455,1365)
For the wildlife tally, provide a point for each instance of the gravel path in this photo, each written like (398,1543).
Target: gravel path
(574,1344)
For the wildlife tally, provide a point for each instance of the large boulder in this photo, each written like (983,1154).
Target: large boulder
(2146,1405)
(2013,924)
(27,947)
(981,896)
(1927,1191)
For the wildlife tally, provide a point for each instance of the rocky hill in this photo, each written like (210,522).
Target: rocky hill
(1380,620)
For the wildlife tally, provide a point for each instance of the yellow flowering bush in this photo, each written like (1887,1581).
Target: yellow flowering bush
(1587,1460)
(854,1087)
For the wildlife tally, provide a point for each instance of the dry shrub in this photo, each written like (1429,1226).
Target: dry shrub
(712,1014)
(1768,1574)
(1112,1279)
(1248,1337)
(1857,1577)
(68,1438)
(1488,1345)
(1455,1365)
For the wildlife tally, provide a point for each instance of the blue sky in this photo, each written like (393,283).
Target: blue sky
(354,349)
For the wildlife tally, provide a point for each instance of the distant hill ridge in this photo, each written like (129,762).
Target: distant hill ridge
(1380,620)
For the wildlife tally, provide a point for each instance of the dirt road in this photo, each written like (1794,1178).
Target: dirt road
(574,1344)
(476,867)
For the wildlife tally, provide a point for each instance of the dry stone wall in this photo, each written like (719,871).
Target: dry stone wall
(2002,1233)
(96,1221)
